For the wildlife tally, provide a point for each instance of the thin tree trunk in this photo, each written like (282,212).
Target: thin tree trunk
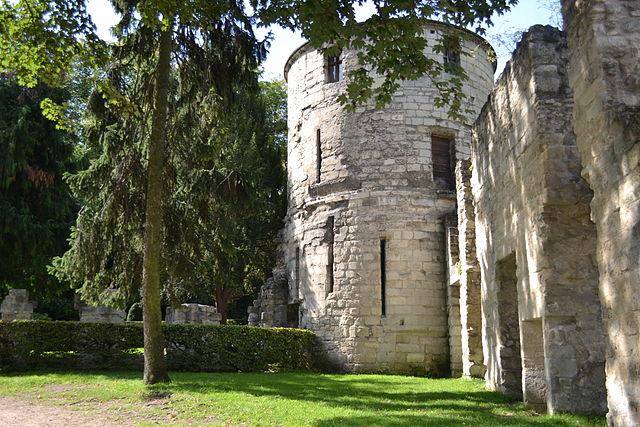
(222,299)
(155,365)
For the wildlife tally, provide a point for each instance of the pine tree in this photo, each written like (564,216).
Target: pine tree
(36,205)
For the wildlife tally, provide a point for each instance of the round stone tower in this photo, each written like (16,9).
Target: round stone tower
(367,192)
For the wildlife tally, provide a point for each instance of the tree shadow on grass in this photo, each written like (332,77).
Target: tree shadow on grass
(387,400)
(378,400)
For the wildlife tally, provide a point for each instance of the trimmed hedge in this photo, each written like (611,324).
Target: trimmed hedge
(82,345)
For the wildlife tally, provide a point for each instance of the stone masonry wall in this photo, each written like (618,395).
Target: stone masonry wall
(98,314)
(16,306)
(604,38)
(470,294)
(375,187)
(198,314)
(270,308)
(542,330)
(453,293)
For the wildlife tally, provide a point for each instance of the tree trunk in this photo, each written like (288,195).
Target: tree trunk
(222,300)
(155,365)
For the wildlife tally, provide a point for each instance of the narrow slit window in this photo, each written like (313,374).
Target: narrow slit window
(442,158)
(330,259)
(383,276)
(318,155)
(334,69)
(297,269)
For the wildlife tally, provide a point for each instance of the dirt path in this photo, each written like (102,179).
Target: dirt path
(21,412)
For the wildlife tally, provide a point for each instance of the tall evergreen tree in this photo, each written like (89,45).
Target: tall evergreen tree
(36,206)
(229,197)
(116,244)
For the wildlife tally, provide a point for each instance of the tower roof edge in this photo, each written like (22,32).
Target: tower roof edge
(300,50)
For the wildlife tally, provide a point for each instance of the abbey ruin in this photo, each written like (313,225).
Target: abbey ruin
(508,249)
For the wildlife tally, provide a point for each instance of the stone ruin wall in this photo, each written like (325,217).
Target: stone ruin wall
(98,313)
(463,294)
(16,306)
(196,314)
(604,38)
(375,183)
(543,338)
(470,283)
(271,308)
(453,267)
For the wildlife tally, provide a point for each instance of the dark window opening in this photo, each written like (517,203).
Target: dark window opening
(508,327)
(452,57)
(293,315)
(334,69)
(318,155)
(383,276)
(330,259)
(442,157)
(451,48)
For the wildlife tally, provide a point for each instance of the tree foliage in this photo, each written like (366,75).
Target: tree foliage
(229,199)
(42,39)
(390,44)
(36,206)
(224,181)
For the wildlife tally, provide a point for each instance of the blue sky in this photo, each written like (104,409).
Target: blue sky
(521,17)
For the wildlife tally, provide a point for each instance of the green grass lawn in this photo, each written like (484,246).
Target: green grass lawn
(294,399)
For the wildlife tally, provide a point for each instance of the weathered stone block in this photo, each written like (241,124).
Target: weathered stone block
(16,306)
(604,67)
(98,314)
(193,313)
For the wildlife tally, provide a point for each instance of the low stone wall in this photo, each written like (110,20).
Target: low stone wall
(98,314)
(193,313)
(16,306)
(543,337)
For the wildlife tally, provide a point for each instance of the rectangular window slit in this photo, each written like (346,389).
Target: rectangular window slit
(442,157)
(452,47)
(330,260)
(297,267)
(334,68)
(383,275)
(319,155)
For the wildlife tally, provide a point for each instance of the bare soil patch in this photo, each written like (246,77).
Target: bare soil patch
(23,412)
